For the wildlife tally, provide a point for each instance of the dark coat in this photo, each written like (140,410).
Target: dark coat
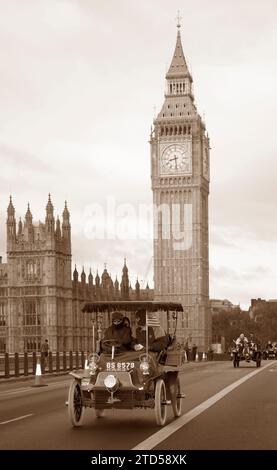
(121,334)
(45,349)
(157,344)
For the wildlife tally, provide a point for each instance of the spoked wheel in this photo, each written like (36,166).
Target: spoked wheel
(99,413)
(160,402)
(75,408)
(176,399)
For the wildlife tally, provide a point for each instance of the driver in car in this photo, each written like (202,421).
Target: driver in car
(242,340)
(120,332)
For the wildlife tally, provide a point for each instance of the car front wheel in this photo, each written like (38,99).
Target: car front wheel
(75,408)
(160,402)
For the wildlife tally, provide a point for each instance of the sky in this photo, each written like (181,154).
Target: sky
(80,84)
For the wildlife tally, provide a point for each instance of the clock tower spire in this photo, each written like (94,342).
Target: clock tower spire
(180,184)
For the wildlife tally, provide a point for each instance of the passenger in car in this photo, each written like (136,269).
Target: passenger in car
(157,340)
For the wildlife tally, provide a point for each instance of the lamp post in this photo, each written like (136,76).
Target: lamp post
(99,322)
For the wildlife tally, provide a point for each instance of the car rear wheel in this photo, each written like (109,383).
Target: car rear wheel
(160,402)
(75,408)
(176,399)
(236,362)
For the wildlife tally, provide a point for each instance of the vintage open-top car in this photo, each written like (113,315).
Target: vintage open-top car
(247,353)
(270,351)
(132,379)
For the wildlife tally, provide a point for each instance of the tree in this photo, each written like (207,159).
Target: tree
(231,323)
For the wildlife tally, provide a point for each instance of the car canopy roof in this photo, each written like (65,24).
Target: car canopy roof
(132,306)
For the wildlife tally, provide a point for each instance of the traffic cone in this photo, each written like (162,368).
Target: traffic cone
(38,377)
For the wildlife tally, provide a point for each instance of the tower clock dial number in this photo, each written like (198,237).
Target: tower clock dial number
(176,159)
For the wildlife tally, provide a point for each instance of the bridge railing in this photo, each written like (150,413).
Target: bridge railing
(16,365)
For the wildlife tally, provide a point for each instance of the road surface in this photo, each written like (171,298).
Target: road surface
(225,408)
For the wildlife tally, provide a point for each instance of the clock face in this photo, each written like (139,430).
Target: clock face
(176,159)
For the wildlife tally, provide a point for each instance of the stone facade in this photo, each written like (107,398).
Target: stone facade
(39,300)
(3,303)
(218,305)
(180,183)
(38,297)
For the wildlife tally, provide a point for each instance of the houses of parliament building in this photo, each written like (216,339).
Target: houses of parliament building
(39,298)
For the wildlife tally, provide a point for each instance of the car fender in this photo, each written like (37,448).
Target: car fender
(77,375)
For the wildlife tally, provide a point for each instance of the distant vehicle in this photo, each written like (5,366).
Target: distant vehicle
(270,352)
(246,353)
(132,379)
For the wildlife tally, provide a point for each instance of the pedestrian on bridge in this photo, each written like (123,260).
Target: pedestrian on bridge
(45,352)
(194,351)
(187,350)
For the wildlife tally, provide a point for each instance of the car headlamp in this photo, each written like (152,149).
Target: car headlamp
(111,382)
(144,367)
(92,363)
(92,368)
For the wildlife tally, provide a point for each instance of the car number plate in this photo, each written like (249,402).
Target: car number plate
(120,366)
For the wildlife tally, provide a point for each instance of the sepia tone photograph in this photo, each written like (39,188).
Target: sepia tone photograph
(138,298)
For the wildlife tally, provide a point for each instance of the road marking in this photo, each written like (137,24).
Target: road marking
(171,428)
(7,393)
(17,419)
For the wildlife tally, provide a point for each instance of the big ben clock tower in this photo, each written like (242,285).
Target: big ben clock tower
(180,184)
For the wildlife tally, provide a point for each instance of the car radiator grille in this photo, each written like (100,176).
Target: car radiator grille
(126,399)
